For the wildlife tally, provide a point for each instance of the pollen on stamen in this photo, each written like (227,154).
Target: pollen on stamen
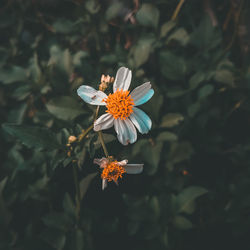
(113,171)
(119,104)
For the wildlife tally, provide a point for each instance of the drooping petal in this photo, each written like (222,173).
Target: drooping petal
(104,183)
(142,93)
(122,163)
(141,120)
(91,95)
(122,79)
(104,122)
(133,168)
(103,162)
(126,132)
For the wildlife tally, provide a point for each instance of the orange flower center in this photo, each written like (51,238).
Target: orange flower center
(119,104)
(113,171)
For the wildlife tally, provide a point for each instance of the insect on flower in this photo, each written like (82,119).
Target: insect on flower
(113,170)
(121,112)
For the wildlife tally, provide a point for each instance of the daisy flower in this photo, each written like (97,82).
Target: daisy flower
(121,112)
(112,169)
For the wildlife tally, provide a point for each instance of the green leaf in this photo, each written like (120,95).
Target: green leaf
(5,215)
(22,92)
(55,238)
(17,115)
(187,196)
(167,136)
(61,59)
(182,223)
(148,15)
(3,56)
(64,26)
(133,227)
(109,59)
(36,137)
(180,152)
(34,69)
(205,91)
(224,76)
(193,109)
(114,10)
(180,35)
(65,108)
(166,28)
(150,153)
(13,74)
(58,220)
(176,92)
(92,6)
(69,207)
(196,79)
(78,56)
(85,182)
(173,67)
(206,36)
(170,120)
(77,240)
(142,50)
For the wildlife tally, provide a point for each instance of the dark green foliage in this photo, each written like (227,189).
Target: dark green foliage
(194,190)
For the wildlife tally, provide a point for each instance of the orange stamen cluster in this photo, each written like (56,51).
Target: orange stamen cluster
(113,171)
(119,104)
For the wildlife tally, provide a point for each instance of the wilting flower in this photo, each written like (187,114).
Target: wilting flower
(113,170)
(121,107)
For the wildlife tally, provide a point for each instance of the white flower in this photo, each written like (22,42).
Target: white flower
(112,169)
(121,107)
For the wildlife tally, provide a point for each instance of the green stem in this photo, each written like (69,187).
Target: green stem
(85,132)
(103,144)
(100,135)
(77,187)
(96,112)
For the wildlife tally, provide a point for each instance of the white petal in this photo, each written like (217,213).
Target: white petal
(122,163)
(91,95)
(122,79)
(104,183)
(141,120)
(103,162)
(142,93)
(104,122)
(126,132)
(134,168)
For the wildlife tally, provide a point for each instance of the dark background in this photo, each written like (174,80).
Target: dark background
(194,190)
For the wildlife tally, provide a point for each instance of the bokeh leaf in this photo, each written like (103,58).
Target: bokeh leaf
(36,137)
(148,15)
(170,120)
(65,108)
(182,223)
(187,196)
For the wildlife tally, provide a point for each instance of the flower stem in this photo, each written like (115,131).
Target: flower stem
(100,135)
(85,132)
(96,112)
(103,144)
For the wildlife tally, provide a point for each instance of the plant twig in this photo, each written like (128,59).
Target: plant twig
(177,10)
(103,144)
(85,132)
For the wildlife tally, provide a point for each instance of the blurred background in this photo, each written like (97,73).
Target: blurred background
(194,190)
